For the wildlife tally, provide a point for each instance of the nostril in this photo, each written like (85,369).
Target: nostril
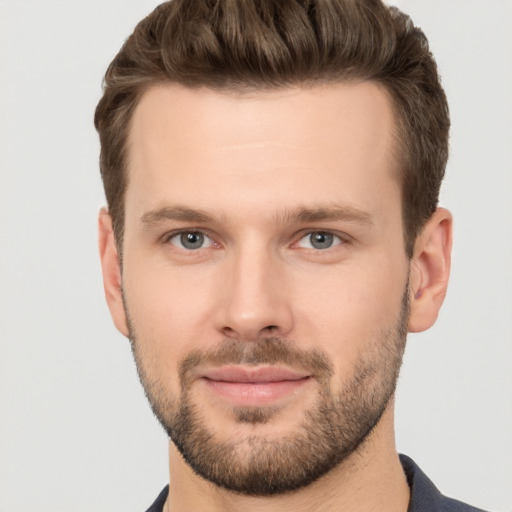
(229,332)
(232,333)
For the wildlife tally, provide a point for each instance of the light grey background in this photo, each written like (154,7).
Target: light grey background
(76,434)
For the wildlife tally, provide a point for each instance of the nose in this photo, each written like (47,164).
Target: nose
(255,302)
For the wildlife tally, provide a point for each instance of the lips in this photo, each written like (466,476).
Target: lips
(253,386)
(253,375)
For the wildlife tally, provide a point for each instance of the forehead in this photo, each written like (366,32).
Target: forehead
(268,146)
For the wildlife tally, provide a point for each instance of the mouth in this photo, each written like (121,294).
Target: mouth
(254,387)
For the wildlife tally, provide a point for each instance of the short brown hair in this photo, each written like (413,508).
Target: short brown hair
(233,45)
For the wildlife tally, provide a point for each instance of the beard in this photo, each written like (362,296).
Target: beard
(334,427)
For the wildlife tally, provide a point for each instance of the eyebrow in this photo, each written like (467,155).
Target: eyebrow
(297,216)
(327,213)
(181,213)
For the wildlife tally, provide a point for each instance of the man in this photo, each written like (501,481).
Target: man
(272,171)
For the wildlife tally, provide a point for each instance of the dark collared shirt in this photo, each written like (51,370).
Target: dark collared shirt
(424,495)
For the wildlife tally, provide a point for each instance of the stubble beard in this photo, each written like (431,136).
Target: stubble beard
(335,426)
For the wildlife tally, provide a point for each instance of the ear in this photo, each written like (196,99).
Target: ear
(111,271)
(430,270)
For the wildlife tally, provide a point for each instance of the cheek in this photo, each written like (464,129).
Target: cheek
(169,308)
(346,310)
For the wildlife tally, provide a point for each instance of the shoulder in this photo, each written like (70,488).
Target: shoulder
(425,497)
(451,505)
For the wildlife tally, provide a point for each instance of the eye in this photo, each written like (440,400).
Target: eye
(190,240)
(319,240)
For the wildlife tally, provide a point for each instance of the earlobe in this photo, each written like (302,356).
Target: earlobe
(111,270)
(430,270)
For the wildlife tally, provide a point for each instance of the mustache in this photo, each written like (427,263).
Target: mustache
(267,351)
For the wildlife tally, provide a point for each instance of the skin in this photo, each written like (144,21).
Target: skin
(250,162)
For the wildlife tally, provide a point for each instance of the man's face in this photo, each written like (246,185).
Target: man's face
(265,276)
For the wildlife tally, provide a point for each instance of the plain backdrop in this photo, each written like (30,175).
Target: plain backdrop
(76,434)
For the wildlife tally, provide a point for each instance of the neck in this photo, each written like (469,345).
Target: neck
(371,479)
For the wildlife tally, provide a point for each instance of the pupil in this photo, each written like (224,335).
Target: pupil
(321,240)
(192,240)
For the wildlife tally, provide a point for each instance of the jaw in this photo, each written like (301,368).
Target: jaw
(371,478)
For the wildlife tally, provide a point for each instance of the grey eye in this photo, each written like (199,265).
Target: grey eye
(319,240)
(190,240)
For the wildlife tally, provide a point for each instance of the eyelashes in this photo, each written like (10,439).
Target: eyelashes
(194,240)
(190,240)
(320,240)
